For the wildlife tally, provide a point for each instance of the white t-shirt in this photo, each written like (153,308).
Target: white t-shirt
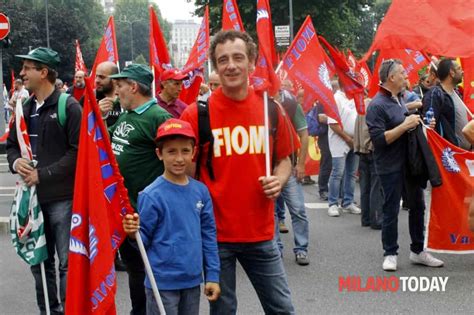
(348,113)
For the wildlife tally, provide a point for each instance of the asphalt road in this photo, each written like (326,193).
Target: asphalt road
(339,247)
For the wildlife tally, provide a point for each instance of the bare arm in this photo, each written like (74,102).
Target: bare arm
(344,136)
(273,184)
(468,132)
(304,140)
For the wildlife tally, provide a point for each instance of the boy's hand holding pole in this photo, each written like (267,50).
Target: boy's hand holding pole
(131,224)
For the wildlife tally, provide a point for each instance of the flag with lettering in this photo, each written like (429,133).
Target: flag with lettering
(26,219)
(264,77)
(304,62)
(448,230)
(352,82)
(108,48)
(100,200)
(159,56)
(468,68)
(231,17)
(360,68)
(80,64)
(194,66)
(412,61)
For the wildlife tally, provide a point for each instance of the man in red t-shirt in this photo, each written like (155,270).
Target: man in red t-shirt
(241,193)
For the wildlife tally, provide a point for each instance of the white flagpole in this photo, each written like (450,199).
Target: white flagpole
(153,85)
(149,273)
(279,66)
(45,289)
(267,135)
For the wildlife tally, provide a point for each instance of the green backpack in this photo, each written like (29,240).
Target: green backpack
(61,108)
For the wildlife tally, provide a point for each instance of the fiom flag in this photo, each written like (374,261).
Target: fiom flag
(80,64)
(231,17)
(108,48)
(159,57)
(468,68)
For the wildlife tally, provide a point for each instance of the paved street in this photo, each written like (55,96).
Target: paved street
(338,247)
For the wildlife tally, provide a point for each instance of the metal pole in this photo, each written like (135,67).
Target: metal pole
(47,25)
(131,42)
(291,20)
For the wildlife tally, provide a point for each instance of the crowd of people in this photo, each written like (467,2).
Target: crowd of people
(197,211)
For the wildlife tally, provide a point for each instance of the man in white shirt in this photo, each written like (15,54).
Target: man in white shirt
(19,93)
(344,161)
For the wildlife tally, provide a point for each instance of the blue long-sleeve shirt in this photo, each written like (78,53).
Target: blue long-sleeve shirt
(384,113)
(179,234)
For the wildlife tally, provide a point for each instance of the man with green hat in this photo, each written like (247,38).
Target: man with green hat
(54,147)
(132,138)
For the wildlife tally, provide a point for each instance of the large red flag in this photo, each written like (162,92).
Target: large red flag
(304,61)
(359,68)
(448,229)
(435,26)
(80,64)
(352,82)
(100,200)
(411,60)
(468,68)
(108,48)
(159,57)
(231,17)
(193,67)
(264,77)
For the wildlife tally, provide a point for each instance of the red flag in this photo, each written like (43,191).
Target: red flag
(193,66)
(304,61)
(231,17)
(360,68)
(108,48)
(12,87)
(448,231)
(80,64)
(427,25)
(468,68)
(159,57)
(100,200)
(352,82)
(264,77)
(411,60)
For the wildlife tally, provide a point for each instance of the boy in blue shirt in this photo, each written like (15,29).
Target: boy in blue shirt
(176,222)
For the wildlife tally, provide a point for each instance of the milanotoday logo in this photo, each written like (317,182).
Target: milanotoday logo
(392,284)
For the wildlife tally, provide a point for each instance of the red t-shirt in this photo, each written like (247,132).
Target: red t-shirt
(242,211)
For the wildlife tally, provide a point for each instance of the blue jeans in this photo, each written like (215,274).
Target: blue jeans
(293,195)
(182,302)
(280,209)
(346,165)
(57,227)
(262,263)
(371,193)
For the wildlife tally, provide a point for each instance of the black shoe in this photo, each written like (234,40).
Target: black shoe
(365,224)
(307,181)
(323,196)
(376,227)
(119,265)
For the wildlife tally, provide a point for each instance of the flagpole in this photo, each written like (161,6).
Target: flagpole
(153,84)
(267,136)
(149,273)
(279,66)
(45,289)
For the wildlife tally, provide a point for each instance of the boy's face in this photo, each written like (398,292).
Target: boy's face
(177,154)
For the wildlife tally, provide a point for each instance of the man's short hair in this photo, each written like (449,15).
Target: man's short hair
(52,74)
(387,68)
(231,35)
(444,67)
(143,89)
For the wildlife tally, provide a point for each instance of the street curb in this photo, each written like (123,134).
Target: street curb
(4,225)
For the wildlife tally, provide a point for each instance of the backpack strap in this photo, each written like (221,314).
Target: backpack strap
(62,109)
(205,136)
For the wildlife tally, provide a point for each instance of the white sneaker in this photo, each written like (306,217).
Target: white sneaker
(352,208)
(425,258)
(333,211)
(390,263)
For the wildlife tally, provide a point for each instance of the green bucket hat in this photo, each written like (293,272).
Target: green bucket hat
(139,73)
(44,55)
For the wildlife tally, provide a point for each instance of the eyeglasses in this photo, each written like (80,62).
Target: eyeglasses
(389,68)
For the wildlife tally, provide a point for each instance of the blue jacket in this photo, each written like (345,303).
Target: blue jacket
(179,234)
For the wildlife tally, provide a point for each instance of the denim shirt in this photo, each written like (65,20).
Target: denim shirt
(384,113)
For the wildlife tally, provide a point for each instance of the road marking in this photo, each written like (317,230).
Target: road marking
(316,205)
(7,195)
(7,187)
(4,219)
(3,164)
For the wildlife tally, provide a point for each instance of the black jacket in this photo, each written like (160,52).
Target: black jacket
(56,148)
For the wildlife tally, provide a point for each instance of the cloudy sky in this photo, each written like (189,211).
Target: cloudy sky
(177,10)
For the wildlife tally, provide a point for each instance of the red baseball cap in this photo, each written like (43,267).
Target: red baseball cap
(172,74)
(173,127)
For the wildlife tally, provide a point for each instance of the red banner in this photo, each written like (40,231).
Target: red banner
(411,60)
(159,57)
(468,68)
(80,64)
(108,47)
(12,79)
(304,62)
(100,200)
(231,17)
(359,68)
(448,229)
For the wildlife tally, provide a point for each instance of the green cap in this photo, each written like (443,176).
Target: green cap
(137,72)
(44,55)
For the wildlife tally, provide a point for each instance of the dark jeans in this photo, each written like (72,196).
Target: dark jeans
(262,263)
(371,193)
(392,187)
(136,276)
(175,302)
(57,227)
(325,163)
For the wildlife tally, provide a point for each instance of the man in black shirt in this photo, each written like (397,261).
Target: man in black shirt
(105,92)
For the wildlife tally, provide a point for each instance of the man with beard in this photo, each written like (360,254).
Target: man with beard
(79,87)
(105,92)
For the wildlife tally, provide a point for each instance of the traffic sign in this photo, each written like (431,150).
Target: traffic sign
(4,26)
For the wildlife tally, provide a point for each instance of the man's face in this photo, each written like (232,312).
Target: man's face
(125,93)
(214,82)
(456,73)
(18,86)
(103,83)
(233,64)
(177,155)
(399,78)
(79,79)
(31,75)
(172,88)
